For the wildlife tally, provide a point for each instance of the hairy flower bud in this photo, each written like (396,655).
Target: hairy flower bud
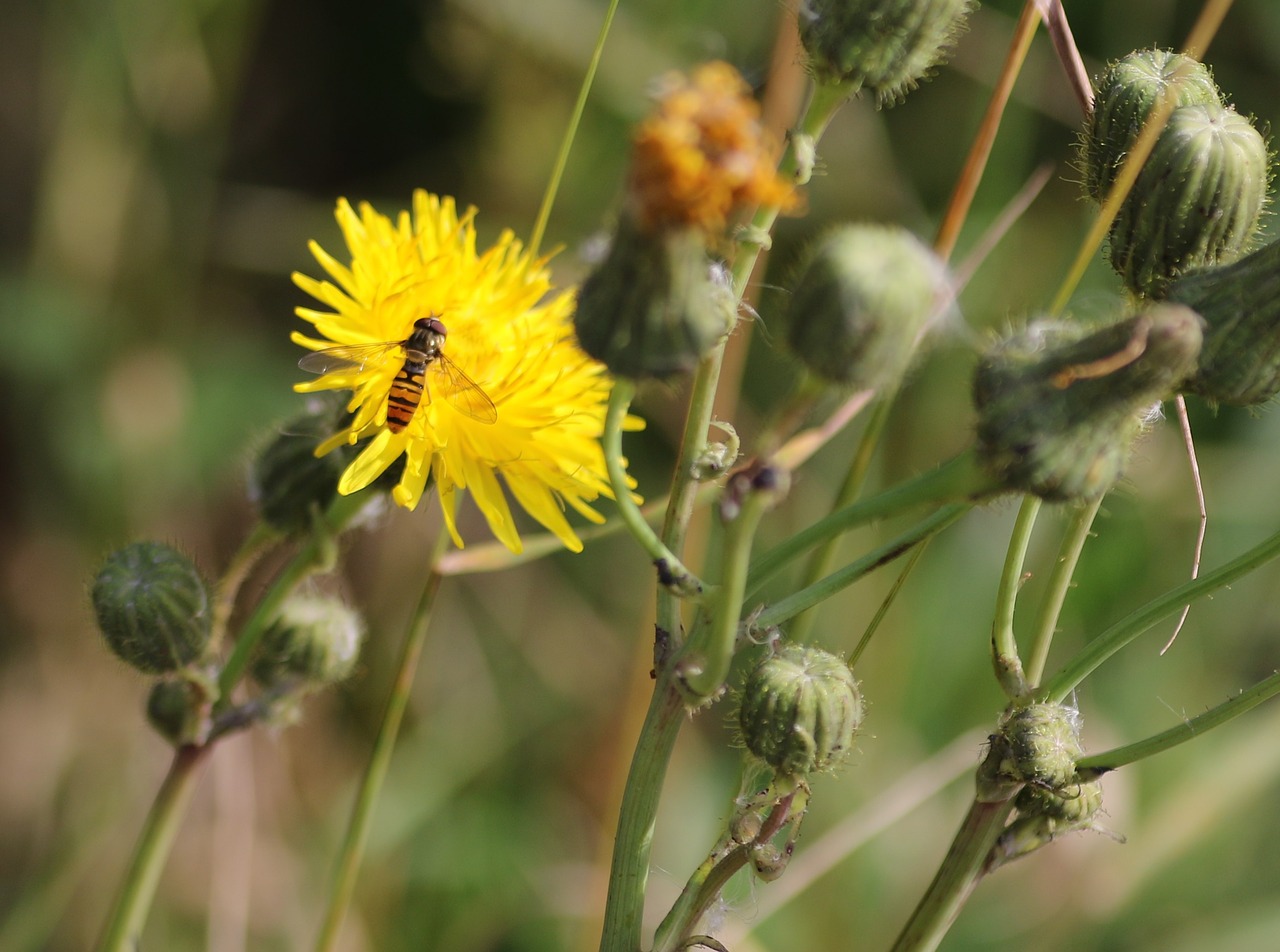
(800,709)
(1037,744)
(1058,407)
(153,607)
(315,640)
(654,307)
(1044,815)
(886,46)
(1197,202)
(289,482)
(1240,303)
(1128,91)
(864,300)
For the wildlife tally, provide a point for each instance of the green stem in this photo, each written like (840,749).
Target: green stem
(570,132)
(1097,764)
(1059,584)
(229,585)
(957,479)
(824,556)
(633,842)
(959,873)
(672,573)
(704,660)
(1130,627)
(1004,646)
(371,784)
(314,555)
(797,602)
(124,929)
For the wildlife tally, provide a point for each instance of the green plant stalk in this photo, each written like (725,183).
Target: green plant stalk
(314,555)
(1004,646)
(822,106)
(957,479)
(124,929)
(570,133)
(887,602)
(703,663)
(709,880)
(1130,627)
(637,817)
(672,574)
(959,873)
(797,602)
(1073,541)
(238,568)
(1097,764)
(823,558)
(629,869)
(357,834)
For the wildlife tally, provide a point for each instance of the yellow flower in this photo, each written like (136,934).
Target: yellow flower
(508,332)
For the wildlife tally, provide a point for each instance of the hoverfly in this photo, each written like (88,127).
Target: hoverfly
(423,350)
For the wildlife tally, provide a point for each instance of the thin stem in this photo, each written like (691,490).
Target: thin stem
(957,479)
(874,625)
(1046,625)
(804,599)
(959,873)
(1188,730)
(129,915)
(704,661)
(570,132)
(1004,646)
(371,784)
(821,560)
(229,585)
(1127,629)
(672,574)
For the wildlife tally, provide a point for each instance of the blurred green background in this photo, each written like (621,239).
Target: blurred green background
(163,166)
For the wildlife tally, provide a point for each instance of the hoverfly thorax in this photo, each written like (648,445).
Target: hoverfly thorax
(422,354)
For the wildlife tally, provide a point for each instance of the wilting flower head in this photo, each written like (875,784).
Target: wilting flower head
(513,394)
(701,153)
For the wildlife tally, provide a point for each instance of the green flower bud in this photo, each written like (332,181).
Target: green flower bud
(863,301)
(886,46)
(289,482)
(173,709)
(1038,745)
(1128,91)
(1197,202)
(1240,303)
(653,308)
(1058,406)
(315,640)
(153,607)
(800,709)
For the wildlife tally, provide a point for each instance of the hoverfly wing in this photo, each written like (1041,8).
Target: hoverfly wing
(461,392)
(351,357)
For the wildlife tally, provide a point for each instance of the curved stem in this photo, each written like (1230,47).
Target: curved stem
(124,928)
(229,585)
(672,574)
(1004,646)
(1059,584)
(371,783)
(1127,629)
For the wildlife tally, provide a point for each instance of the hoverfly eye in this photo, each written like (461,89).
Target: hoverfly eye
(436,326)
